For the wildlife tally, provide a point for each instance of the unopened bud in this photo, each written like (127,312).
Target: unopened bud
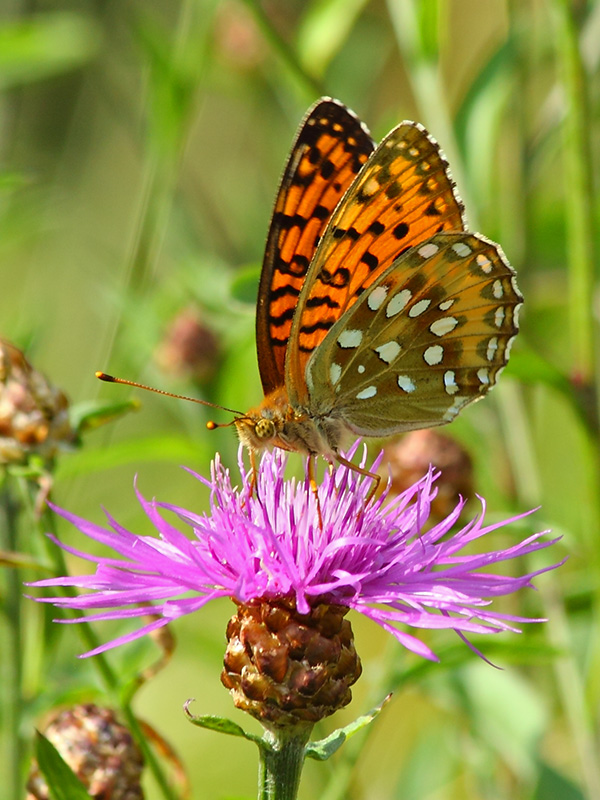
(189,348)
(290,669)
(33,413)
(99,750)
(410,458)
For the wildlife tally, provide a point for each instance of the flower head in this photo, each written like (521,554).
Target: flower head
(100,751)
(269,543)
(34,418)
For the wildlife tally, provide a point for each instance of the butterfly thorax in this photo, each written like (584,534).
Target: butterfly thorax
(276,423)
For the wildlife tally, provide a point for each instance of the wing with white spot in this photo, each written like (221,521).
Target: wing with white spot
(429,336)
(402,196)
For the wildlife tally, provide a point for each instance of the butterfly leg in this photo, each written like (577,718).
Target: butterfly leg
(331,471)
(362,471)
(254,468)
(312,481)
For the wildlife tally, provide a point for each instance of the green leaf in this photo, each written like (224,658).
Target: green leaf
(220,724)
(45,45)
(91,415)
(324,31)
(88,461)
(244,286)
(530,367)
(324,748)
(62,781)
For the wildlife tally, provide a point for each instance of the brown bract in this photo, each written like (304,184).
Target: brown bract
(289,669)
(33,413)
(99,750)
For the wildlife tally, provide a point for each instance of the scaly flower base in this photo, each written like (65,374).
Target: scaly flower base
(287,669)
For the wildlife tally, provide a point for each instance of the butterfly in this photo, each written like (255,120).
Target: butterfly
(378,311)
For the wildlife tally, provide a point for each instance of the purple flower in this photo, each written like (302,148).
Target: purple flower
(376,557)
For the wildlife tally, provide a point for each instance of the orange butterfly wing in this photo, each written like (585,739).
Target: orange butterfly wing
(330,148)
(402,197)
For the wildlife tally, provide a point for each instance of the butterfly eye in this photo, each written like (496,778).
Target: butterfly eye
(265,429)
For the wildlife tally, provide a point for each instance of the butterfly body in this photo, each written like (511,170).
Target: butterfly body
(378,311)
(276,423)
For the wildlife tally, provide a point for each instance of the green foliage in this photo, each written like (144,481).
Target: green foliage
(60,779)
(45,45)
(324,748)
(220,725)
(143,143)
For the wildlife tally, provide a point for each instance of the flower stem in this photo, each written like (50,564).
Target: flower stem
(284,50)
(110,679)
(281,762)
(419,29)
(580,196)
(13,703)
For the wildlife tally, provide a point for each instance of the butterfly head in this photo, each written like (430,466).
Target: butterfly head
(256,434)
(263,426)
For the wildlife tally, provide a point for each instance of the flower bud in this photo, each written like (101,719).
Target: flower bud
(99,750)
(287,668)
(189,348)
(33,413)
(409,459)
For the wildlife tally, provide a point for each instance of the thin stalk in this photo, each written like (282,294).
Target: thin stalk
(417,27)
(580,201)
(568,676)
(518,442)
(579,210)
(284,50)
(281,762)
(165,145)
(12,655)
(90,640)
(572,691)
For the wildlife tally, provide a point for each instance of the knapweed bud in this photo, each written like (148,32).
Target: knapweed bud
(409,458)
(237,37)
(99,750)
(33,413)
(189,348)
(286,668)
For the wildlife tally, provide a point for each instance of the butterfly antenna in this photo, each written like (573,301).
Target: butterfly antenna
(103,376)
(212,426)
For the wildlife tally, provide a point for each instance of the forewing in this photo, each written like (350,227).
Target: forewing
(330,148)
(428,337)
(402,197)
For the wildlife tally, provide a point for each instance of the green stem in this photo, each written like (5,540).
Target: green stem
(166,141)
(281,762)
(573,692)
(284,50)
(172,98)
(12,655)
(518,441)
(417,28)
(580,201)
(110,679)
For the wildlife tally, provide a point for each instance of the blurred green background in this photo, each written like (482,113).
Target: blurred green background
(142,143)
